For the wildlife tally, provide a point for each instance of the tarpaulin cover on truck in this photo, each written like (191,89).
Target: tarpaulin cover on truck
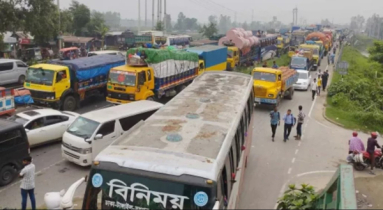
(212,54)
(91,67)
(167,62)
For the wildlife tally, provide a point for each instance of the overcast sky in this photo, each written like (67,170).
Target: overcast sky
(339,11)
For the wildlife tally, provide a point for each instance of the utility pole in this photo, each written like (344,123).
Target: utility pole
(252,15)
(295,16)
(58,7)
(166,17)
(158,11)
(153,14)
(146,13)
(139,16)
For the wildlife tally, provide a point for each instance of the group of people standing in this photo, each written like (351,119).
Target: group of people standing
(289,122)
(319,83)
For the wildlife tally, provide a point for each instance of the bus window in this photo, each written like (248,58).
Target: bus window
(224,185)
(236,153)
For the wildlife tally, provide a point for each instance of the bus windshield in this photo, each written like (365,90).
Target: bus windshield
(116,190)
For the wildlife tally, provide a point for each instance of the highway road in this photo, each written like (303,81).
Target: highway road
(272,165)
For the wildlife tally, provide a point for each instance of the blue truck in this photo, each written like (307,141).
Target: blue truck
(211,57)
(64,84)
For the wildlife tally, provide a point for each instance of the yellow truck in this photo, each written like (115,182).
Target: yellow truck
(315,53)
(271,85)
(64,84)
(283,43)
(161,73)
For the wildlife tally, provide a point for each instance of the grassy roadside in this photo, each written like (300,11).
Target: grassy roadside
(352,102)
(284,60)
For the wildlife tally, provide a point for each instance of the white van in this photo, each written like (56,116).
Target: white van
(12,71)
(103,52)
(91,132)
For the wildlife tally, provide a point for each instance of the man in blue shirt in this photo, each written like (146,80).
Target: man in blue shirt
(275,66)
(274,121)
(289,123)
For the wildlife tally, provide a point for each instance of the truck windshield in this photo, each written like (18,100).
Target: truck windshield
(116,190)
(263,76)
(122,78)
(83,127)
(298,62)
(230,53)
(40,76)
(279,42)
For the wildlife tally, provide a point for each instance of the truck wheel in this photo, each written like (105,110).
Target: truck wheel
(7,174)
(278,101)
(21,79)
(150,98)
(70,103)
(291,94)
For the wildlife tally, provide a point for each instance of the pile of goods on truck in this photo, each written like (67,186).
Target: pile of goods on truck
(287,72)
(240,38)
(315,36)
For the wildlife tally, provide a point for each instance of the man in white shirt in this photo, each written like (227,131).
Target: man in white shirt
(28,183)
(314,87)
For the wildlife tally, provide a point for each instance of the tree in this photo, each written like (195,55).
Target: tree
(213,19)
(102,30)
(376,52)
(190,24)
(81,17)
(294,198)
(112,19)
(96,22)
(245,26)
(180,22)
(42,21)
(208,31)
(66,21)
(159,26)
(224,24)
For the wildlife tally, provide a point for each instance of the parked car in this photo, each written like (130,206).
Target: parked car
(44,125)
(14,148)
(103,52)
(304,80)
(12,71)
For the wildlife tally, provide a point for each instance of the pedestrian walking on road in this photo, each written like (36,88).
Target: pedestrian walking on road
(319,84)
(371,144)
(325,77)
(289,123)
(301,118)
(275,66)
(314,88)
(28,183)
(332,58)
(275,120)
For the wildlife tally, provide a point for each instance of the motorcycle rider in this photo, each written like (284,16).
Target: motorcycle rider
(356,146)
(371,144)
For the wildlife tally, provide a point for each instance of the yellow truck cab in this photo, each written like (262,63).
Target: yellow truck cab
(315,51)
(162,73)
(232,56)
(64,84)
(271,85)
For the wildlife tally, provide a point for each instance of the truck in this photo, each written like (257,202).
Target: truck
(319,36)
(297,37)
(163,72)
(315,53)
(271,85)
(283,43)
(302,60)
(203,42)
(211,58)
(64,84)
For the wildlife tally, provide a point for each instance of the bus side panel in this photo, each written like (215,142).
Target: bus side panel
(238,185)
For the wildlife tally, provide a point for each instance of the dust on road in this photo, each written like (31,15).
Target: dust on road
(369,192)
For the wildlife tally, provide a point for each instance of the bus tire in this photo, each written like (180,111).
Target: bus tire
(70,103)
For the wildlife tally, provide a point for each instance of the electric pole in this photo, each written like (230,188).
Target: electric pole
(158,11)
(295,16)
(139,16)
(166,17)
(252,15)
(146,13)
(58,7)
(153,14)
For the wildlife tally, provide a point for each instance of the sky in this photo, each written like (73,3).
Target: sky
(311,11)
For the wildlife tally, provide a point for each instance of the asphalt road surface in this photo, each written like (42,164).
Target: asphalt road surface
(271,165)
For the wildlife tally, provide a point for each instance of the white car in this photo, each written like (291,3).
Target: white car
(44,125)
(304,80)
(12,71)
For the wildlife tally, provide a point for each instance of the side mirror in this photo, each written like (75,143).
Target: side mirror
(98,136)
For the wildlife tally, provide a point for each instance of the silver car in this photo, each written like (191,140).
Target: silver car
(12,71)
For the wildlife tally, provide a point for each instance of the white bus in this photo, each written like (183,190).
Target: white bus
(190,154)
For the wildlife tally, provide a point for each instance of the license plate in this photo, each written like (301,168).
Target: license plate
(258,100)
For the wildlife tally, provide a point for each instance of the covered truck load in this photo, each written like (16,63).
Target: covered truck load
(170,67)
(90,71)
(213,56)
(316,36)
(289,77)
(240,38)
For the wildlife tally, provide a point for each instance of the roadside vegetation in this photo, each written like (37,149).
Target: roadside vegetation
(298,198)
(362,42)
(356,101)
(284,60)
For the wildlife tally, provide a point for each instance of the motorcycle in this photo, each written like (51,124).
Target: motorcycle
(362,160)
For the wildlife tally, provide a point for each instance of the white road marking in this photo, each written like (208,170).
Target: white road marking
(289,172)
(36,173)
(314,172)
(296,151)
(299,144)
(312,105)
(293,160)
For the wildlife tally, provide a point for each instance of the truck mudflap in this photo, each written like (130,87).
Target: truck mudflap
(265,101)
